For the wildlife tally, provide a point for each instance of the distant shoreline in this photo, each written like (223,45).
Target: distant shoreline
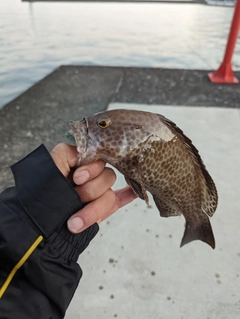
(221,3)
(140,1)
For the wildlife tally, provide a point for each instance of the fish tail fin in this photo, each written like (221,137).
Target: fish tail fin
(201,231)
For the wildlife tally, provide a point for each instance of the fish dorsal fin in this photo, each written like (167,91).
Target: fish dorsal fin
(164,209)
(210,200)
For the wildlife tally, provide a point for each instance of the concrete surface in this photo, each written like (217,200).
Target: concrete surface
(42,113)
(135,269)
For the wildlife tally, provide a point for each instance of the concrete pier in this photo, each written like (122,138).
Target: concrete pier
(134,268)
(42,113)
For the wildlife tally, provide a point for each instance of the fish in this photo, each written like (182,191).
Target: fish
(154,156)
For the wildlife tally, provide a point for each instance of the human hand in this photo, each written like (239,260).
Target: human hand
(93,184)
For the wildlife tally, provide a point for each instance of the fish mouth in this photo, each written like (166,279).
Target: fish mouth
(86,122)
(79,136)
(70,136)
(77,129)
(89,140)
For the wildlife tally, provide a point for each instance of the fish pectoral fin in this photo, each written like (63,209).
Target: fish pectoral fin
(164,209)
(138,188)
(201,231)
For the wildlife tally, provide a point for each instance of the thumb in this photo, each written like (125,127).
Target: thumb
(65,157)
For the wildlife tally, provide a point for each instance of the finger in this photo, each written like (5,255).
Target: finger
(65,157)
(88,172)
(123,197)
(96,187)
(100,209)
(92,212)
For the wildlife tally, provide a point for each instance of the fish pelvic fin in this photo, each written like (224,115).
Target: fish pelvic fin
(201,231)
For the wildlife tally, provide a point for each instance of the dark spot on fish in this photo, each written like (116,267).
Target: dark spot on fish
(217,275)
(101,287)
(168,298)
(112,296)
(153,273)
(111,260)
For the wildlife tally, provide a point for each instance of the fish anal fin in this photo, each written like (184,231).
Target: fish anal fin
(164,209)
(201,231)
(138,188)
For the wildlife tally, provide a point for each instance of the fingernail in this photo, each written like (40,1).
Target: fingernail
(75,224)
(81,177)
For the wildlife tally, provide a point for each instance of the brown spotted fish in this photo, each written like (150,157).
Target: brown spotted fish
(154,155)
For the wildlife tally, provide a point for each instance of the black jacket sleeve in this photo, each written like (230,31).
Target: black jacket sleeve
(38,255)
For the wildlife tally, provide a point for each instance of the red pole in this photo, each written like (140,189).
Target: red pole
(225,73)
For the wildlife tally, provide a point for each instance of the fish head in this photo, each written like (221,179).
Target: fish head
(111,135)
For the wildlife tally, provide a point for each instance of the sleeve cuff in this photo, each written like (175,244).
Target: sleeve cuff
(46,195)
(71,245)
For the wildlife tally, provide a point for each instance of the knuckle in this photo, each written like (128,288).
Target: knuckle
(111,174)
(98,165)
(87,192)
(95,168)
(111,197)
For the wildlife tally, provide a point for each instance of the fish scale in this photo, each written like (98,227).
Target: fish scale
(155,156)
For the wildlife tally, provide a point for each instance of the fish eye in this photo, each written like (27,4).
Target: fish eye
(103,122)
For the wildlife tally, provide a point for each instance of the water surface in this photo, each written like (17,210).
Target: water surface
(35,38)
